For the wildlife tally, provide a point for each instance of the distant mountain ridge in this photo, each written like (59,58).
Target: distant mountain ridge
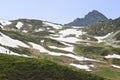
(89,19)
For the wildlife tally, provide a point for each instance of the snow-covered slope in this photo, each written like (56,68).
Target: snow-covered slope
(65,35)
(55,26)
(7,51)
(5,22)
(101,38)
(7,41)
(67,32)
(79,58)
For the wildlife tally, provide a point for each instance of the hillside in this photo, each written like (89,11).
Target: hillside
(70,46)
(20,68)
(103,28)
(89,19)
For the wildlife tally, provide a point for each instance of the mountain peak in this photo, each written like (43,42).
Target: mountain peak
(95,15)
(95,11)
(89,19)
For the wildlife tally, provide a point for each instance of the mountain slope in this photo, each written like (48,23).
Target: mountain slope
(89,19)
(69,46)
(20,68)
(31,26)
(103,28)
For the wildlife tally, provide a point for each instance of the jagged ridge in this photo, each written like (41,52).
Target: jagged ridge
(89,19)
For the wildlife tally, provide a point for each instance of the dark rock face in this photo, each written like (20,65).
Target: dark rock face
(89,19)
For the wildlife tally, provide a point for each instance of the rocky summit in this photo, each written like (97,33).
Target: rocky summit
(89,19)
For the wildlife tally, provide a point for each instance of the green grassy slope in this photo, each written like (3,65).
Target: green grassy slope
(113,74)
(20,68)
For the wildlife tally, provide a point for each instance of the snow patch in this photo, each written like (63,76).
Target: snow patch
(62,35)
(115,66)
(55,26)
(7,41)
(38,47)
(69,49)
(38,30)
(84,67)
(1,27)
(48,28)
(52,31)
(78,27)
(42,41)
(41,49)
(19,25)
(113,56)
(67,44)
(25,31)
(100,38)
(68,39)
(79,58)
(4,22)
(76,32)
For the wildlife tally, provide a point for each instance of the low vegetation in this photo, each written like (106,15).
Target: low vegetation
(49,67)
(109,73)
(95,49)
(103,28)
(117,36)
(116,62)
(21,50)
(20,68)
(52,42)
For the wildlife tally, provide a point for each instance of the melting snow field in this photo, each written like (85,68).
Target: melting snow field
(38,47)
(79,58)
(6,51)
(84,67)
(100,38)
(71,31)
(113,56)
(55,26)
(62,35)
(7,41)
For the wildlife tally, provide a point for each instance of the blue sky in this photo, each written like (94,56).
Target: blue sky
(59,11)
